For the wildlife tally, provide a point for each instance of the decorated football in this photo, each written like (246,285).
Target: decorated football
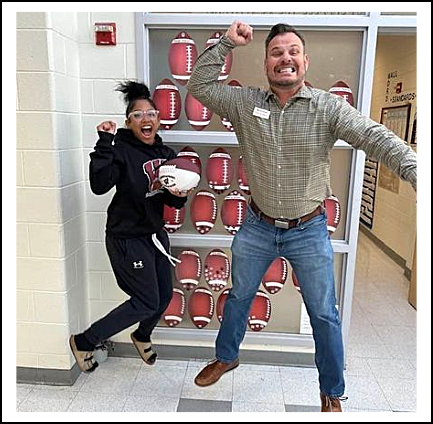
(219,170)
(216,269)
(333,213)
(181,57)
(227,124)
(203,211)
(276,275)
(198,115)
(340,88)
(220,304)
(260,312)
(179,174)
(242,177)
(167,100)
(188,271)
(173,218)
(225,70)
(189,153)
(201,307)
(173,315)
(233,211)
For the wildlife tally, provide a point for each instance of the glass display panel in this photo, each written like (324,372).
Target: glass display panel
(285,304)
(334,56)
(340,171)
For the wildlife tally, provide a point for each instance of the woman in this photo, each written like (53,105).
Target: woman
(136,241)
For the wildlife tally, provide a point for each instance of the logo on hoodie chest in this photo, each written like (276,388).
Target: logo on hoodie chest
(150,169)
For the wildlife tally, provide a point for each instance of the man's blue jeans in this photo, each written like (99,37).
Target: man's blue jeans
(308,249)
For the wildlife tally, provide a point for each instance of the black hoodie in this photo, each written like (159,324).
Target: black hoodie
(137,206)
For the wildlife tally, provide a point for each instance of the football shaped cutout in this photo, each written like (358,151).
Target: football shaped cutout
(333,213)
(216,269)
(173,315)
(220,304)
(276,276)
(242,177)
(201,307)
(219,170)
(198,115)
(188,271)
(203,211)
(167,100)
(189,153)
(173,218)
(340,88)
(181,57)
(179,174)
(260,312)
(296,282)
(233,211)
(227,124)
(227,67)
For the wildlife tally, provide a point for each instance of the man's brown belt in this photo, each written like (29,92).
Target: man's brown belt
(285,223)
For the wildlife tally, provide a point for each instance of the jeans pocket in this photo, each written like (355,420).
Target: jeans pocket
(313,222)
(251,217)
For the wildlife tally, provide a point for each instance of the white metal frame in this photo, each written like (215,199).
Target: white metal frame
(370,24)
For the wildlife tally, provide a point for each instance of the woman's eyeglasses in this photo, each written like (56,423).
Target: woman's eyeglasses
(138,115)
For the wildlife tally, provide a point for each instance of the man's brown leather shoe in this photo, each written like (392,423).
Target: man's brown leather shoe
(212,372)
(330,404)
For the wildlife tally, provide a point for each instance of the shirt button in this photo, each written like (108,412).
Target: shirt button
(279,202)
(279,166)
(279,185)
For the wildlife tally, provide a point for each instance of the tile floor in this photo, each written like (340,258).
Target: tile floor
(380,374)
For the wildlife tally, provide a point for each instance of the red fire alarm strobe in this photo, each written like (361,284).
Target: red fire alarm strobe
(105,33)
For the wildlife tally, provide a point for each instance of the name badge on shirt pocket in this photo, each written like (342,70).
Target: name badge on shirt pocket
(261,113)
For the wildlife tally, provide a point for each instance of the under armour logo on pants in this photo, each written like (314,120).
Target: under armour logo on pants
(138,265)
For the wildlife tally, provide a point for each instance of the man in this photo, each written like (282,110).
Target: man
(285,136)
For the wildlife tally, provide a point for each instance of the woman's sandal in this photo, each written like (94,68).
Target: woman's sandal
(85,360)
(145,350)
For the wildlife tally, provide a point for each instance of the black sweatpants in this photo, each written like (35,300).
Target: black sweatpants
(143,273)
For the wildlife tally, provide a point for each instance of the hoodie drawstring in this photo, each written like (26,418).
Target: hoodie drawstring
(160,247)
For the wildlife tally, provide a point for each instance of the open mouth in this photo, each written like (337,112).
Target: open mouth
(146,130)
(286,70)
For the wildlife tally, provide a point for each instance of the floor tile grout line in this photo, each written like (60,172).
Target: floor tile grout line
(132,385)
(282,390)
(72,400)
(183,385)
(24,398)
(380,387)
(27,395)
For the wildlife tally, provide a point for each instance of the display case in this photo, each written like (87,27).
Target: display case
(341,51)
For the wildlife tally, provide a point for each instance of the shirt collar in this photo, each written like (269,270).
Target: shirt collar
(304,92)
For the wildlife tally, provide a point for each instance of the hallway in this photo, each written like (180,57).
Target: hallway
(380,374)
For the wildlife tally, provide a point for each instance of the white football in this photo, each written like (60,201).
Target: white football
(179,174)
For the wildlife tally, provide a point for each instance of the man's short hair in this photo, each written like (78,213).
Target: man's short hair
(281,29)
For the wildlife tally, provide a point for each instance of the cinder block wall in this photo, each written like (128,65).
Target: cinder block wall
(51,235)
(102,67)
(64,89)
